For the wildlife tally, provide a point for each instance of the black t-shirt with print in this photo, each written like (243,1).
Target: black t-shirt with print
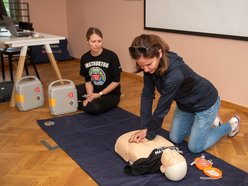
(101,70)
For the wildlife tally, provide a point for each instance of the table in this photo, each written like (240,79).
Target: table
(24,43)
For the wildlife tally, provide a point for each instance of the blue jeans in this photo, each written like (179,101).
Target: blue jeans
(198,127)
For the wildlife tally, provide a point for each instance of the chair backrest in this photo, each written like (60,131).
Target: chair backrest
(26,26)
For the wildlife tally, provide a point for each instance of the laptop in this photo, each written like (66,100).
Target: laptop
(12,28)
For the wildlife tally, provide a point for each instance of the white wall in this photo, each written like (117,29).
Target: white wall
(222,61)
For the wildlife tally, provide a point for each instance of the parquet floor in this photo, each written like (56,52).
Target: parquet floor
(24,161)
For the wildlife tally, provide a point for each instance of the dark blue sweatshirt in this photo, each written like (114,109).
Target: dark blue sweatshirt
(180,83)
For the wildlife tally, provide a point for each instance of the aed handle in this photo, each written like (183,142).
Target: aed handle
(61,81)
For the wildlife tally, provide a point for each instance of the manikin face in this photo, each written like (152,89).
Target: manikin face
(149,65)
(95,44)
(171,157)
(174,165)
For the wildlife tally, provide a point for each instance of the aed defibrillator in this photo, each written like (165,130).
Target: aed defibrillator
(29,93)
(62,97)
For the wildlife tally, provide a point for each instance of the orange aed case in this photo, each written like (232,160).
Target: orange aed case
(213,172)
(202,163)
(206,166)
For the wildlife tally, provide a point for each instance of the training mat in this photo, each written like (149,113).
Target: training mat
(89,140)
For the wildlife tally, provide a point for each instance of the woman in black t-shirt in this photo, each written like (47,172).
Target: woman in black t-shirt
(101,70)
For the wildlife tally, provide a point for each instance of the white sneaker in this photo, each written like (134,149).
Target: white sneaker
(234,122)
(217,122)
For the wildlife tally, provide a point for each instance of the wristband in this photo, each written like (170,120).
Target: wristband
(100,93)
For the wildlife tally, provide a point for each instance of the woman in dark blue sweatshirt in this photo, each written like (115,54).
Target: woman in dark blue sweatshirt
(197,100)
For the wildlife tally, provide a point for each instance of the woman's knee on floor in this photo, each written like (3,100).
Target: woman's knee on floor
(194,148)
(175,139)
(93,108)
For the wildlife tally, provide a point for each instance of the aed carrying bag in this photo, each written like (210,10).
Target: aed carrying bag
(29,93)
(6,88)
(62,97)
(60,52)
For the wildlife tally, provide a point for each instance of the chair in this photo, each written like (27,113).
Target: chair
(14,52)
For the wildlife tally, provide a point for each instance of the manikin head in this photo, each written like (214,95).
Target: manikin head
(174,165)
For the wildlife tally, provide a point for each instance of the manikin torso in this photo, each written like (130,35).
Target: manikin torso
(174,165)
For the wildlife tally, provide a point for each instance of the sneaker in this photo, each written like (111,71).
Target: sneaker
(217,122)
(234,122)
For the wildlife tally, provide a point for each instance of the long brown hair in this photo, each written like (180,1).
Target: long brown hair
(93,30)
(152,43)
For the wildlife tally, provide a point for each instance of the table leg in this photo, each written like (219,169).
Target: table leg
(19,72)
(53,61)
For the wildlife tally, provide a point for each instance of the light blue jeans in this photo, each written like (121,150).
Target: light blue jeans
(198,127)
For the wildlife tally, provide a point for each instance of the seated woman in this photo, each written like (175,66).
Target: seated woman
(149,156)
(101,70)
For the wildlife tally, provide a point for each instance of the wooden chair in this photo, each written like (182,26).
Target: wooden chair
(14,53)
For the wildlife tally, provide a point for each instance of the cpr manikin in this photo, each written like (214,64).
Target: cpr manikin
(171,162)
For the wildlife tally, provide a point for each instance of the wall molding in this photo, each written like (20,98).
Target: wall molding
(234,106)
(223,102)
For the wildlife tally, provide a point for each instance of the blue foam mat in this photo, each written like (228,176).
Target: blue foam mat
(89,140)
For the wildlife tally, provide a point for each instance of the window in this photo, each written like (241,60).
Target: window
(17,10)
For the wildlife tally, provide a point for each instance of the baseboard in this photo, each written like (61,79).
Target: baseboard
(131,75)
(234,106)
(223,102)
(76,59)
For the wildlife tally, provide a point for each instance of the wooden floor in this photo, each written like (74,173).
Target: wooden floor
(25,161)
